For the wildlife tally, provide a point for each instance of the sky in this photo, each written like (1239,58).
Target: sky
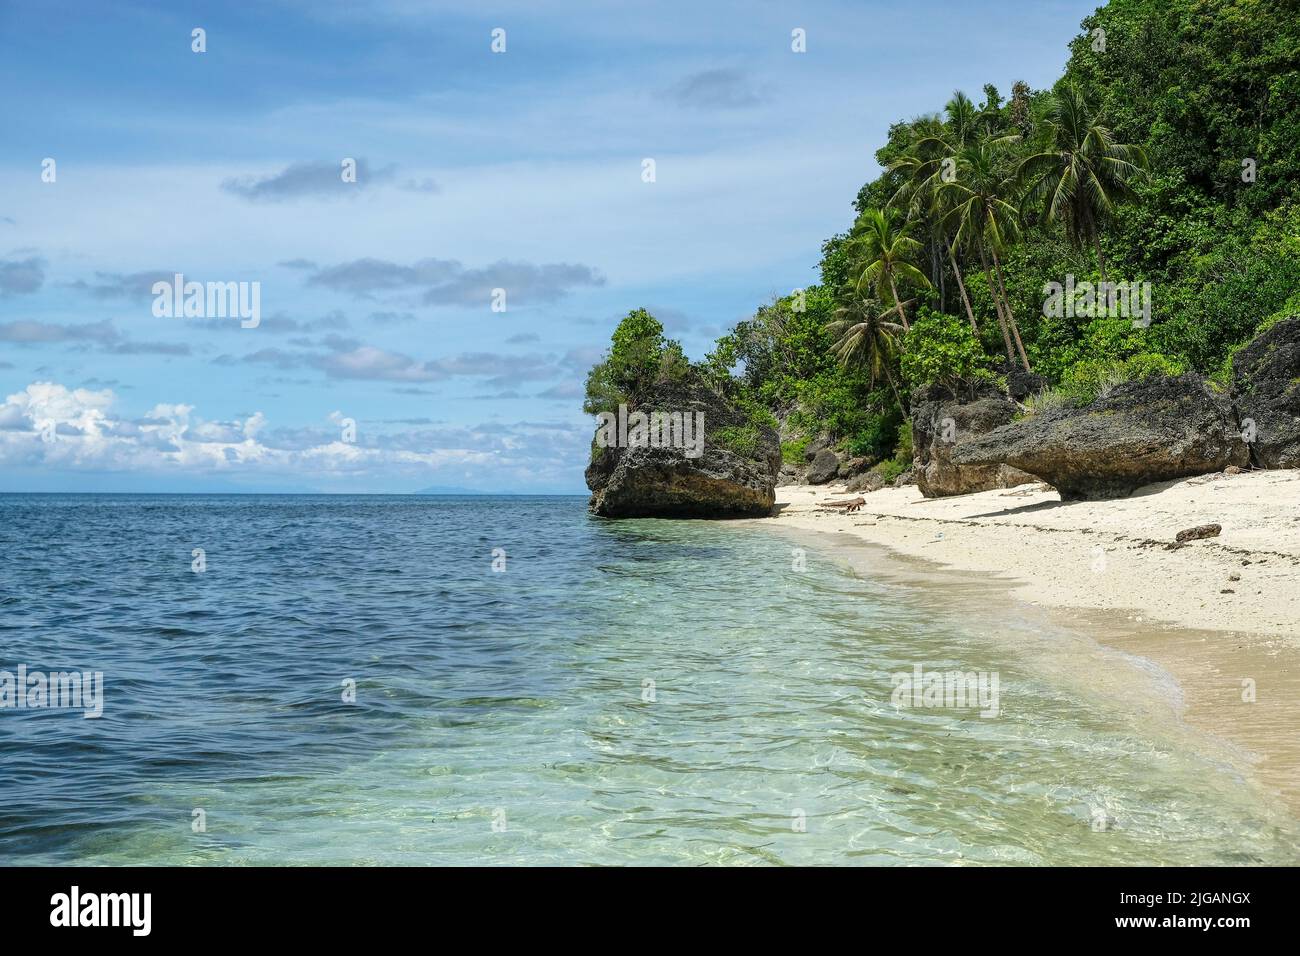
(382,359)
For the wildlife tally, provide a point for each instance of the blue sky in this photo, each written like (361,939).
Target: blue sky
(475,171)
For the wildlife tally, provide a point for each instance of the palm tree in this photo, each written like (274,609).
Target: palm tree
(868,338)
(923,169)
(984,219)
(1081,173)
(963,118)
(932,162)
(966,124)
(885,256)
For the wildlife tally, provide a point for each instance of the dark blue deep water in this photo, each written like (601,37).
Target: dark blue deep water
(623,692)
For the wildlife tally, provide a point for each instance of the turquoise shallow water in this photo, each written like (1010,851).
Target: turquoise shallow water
(504,717)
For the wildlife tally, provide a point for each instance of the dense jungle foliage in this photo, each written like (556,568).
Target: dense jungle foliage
(1168,153)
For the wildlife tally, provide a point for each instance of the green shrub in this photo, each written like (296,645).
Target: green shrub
(792,451)
(838,405)
(745,439)
(903,451)
(1091,379)
(1049,400)
(889,469)
(942,349)
(866,444)
(639,356)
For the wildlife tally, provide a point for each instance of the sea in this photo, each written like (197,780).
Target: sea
(443,680)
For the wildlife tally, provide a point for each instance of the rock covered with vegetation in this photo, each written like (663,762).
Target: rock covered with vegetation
(1166,159)
(1266,390)
(727,464)
(1142,431)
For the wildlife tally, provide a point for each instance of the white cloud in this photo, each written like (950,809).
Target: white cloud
(44,403)
(89,437)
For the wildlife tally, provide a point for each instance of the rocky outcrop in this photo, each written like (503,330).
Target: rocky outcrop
(852,467)
(942,423)
(1022,385)
(731,473)
(1266,392)
(1143,431)
(866,482)
(789,475)
(814,446)
(824,467)
(906,477)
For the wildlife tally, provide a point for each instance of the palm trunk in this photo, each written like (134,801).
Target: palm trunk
(1011,319)
(997,305)
(937,278)
(1101,260)
(899,303)
(889,377)
(956,271)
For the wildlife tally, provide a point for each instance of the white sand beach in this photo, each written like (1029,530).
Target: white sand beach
(1102,555)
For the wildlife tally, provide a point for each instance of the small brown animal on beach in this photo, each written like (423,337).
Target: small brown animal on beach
(848,504)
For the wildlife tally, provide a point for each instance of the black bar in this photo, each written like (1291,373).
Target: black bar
(211,905)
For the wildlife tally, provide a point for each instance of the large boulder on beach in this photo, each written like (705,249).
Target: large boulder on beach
(815,447)
(730,473)
(1142,431)
(825,466)
(941,423)
(1266,392)
(868,481)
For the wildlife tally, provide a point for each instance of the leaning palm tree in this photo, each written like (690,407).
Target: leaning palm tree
(932,160)
(922,169)
(869,339)
(885,256)
(1081,174)
(983,218)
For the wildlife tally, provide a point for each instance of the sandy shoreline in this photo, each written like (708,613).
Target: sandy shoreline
(1103,555)
(1104,565)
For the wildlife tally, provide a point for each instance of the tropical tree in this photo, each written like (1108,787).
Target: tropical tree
(1080,173)
(922,168)
(932,161)
(983,218)
(884,256)
(962,120)
(639,355)
(867,338)
(1021,115)
(990,111)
